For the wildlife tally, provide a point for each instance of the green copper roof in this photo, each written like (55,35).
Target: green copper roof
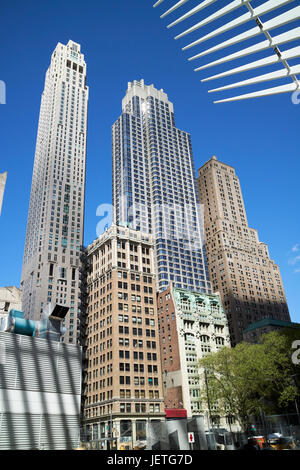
(271,322)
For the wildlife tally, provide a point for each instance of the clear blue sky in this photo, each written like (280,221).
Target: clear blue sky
(124,40)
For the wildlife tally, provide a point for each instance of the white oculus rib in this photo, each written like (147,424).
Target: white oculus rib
(261,78)
(277,40)
(174,8)
(242,10)
(157,3)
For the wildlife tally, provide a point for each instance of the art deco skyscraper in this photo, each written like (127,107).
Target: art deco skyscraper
(51,265)
(3,177)
(241,270)
(154,186)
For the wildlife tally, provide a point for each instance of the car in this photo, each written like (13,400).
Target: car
(282,443)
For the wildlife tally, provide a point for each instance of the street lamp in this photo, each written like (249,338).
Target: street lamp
(209,408)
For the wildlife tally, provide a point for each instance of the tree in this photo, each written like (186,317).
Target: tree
(282,390)
(250,377)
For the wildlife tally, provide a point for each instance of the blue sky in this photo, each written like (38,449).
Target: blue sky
(123,41)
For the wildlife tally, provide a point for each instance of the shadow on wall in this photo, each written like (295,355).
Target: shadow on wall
(40,391)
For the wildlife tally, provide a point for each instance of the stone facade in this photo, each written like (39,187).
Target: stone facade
(54,237)
(123,384)
(10,299)
(191,325)
(241,270)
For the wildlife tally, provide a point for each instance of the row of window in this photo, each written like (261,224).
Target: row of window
(137,355)
(151,381)
(139,408)
(137,343)
(126,367)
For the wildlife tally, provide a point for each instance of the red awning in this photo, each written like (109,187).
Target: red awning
(176,413)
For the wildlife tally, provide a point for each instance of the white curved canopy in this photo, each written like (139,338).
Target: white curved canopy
(283,17)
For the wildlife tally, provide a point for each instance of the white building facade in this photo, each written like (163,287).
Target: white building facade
(10,299)
(191,325)
(54,238)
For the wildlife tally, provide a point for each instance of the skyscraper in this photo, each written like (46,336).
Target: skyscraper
(3,177)
(54,235)
(241,270)
(154,186)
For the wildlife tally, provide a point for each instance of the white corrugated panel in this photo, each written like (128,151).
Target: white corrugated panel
(8,368)
(69,362)
(59,432)
(29,432)
(46,374)
(19,431)
(37,368)
(40,365)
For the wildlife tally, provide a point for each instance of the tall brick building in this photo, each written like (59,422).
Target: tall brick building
(241,270)
(123,384)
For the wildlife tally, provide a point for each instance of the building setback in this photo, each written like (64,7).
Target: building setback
(122,384)
(154,186)
(191,325)
(54,237)
(241,270)
(3,177)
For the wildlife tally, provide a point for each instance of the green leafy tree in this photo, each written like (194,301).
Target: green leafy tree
(250,377)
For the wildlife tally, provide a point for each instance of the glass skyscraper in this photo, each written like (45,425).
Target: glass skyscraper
(154,187)
(51,265)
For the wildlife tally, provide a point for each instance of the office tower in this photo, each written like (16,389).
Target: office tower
(241,270)
(191,325)
(51,265)
(3,177)
(154,186)
(123,384)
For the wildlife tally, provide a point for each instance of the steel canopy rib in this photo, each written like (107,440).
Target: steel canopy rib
(261,78)
(280,20)
(270,91)
(157,3)
(277,40)
(286,55)
(215,16)
(258,28)
(192,12)
(177,5)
